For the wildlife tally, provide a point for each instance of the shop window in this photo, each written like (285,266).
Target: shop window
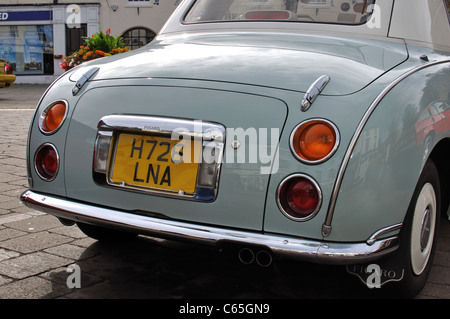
(137,37)
(28,48)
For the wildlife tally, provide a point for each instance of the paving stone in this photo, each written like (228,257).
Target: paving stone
(70,231)
(9,218)
(7,233)
(31,264)
(34,242)
(35,224)
(435,291)
(32,288)
(440,275)
(6,254)
(71,252)
(4,281)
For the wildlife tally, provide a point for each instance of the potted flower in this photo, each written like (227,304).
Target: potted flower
(97,46)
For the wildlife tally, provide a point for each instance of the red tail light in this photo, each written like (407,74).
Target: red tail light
(46,162)
(299,197)
(8,69)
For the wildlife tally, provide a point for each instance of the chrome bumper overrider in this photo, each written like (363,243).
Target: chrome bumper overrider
(279,245)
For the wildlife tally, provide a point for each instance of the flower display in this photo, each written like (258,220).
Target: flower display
(97,46)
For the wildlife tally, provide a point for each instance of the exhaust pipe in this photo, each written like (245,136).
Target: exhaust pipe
(262,257)
(246,256)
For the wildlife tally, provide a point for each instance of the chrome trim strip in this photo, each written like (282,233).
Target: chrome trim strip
(326,227)
(163,126)
(288,246)
(372,239)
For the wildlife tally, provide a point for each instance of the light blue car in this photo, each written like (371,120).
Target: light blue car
(308,129)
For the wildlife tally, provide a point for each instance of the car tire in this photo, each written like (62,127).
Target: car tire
(418,235)
(105,234)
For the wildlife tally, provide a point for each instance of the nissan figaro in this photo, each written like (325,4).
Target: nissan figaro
(308,129)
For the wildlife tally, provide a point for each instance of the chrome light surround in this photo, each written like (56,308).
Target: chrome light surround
(44,113)
(212,136)
(57,158)
(280,205)
(336,145)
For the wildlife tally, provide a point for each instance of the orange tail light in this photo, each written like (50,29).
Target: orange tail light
(52,117)
(314,141)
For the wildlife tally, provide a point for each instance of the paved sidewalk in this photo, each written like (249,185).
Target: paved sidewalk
(36,251)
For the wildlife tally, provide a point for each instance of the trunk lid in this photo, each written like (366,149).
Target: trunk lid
(285,61)
(241,189)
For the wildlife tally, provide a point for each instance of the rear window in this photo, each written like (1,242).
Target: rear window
(322,11)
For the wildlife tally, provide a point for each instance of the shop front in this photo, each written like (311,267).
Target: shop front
(33,39)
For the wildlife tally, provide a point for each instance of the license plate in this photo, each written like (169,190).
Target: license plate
(156,162)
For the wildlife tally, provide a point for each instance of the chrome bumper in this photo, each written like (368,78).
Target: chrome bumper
(279,245)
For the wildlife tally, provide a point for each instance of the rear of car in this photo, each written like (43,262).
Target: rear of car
(7,77)
(247,123)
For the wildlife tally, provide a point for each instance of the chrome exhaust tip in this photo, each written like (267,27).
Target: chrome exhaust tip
(246,256)
(264,258)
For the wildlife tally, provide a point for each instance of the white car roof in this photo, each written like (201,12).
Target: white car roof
(424,21)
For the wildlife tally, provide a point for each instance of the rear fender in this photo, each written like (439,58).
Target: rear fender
(385,163)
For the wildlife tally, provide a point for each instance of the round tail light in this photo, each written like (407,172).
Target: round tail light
(8,69)
(46,162)
(299,197)
(52,117)
(314,141)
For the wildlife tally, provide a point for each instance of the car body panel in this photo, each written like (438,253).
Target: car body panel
(388,154)
(296,60)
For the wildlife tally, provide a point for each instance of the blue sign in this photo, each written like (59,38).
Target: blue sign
(26,16)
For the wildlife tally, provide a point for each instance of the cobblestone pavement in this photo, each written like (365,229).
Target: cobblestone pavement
(36,250)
